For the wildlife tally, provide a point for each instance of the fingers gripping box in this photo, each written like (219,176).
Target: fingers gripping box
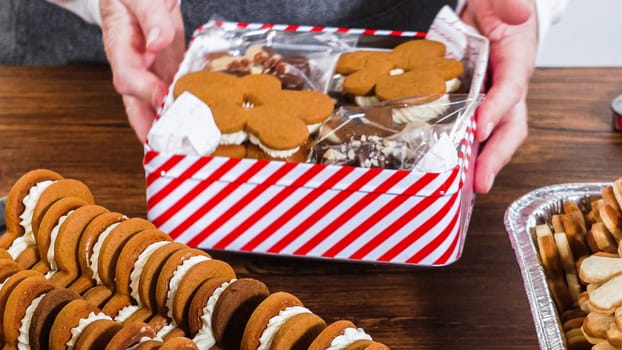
(322,210)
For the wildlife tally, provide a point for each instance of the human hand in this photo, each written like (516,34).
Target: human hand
(511,28)
(144,43)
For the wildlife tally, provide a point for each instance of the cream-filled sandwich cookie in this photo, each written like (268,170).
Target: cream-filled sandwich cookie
(67,245)
(97,334)
(44,315)
(48,232)
(219,313)
(20,306)
(5,291)
(339,335)
(175,267)
(187,279)
(52,193)
(21,202)
(70,321)
(267,319)
(91,241)
(122,304)
(147,269)
(130,336)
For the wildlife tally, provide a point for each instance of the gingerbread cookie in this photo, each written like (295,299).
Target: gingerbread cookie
(177,264)
(68,244)
(130,251)
(266,321)
(44,315)
(5,291)
(8,268)
(219,312)
(230,151)
(21,302)
(188,281)
(277,120)
(90,245)
(415,69)
(48,232)
(21,201)
(131,334)
(97,334)
(339,334)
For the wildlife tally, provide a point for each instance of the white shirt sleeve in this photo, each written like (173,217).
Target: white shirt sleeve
(87,9)
(549,12)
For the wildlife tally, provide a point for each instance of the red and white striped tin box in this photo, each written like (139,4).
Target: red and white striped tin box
(323,211)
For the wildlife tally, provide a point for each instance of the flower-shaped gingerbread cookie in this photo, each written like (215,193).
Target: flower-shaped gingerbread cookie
(278,121)
(413,68)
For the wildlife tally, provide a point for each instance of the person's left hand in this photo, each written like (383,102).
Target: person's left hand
(511,28)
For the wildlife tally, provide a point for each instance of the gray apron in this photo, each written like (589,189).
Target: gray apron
(35,32)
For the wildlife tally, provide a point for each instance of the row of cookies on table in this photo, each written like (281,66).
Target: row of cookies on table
(580,250)
(262,114)
(74,274)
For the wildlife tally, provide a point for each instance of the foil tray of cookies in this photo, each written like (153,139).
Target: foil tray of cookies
(314,142)
(567,242)
(76,275)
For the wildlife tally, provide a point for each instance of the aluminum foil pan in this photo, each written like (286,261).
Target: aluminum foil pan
(521,217)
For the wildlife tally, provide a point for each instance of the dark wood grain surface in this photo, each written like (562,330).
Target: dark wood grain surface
(69,119)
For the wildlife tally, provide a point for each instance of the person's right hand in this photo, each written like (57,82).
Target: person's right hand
(144,43)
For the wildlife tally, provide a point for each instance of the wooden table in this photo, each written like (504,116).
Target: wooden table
(69,119)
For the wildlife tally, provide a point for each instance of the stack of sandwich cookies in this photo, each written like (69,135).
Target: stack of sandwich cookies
(20,305)
(131,250)
(220,310)
(49,228)
(20,205)
(106,281)
(281,322)
(67,244)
